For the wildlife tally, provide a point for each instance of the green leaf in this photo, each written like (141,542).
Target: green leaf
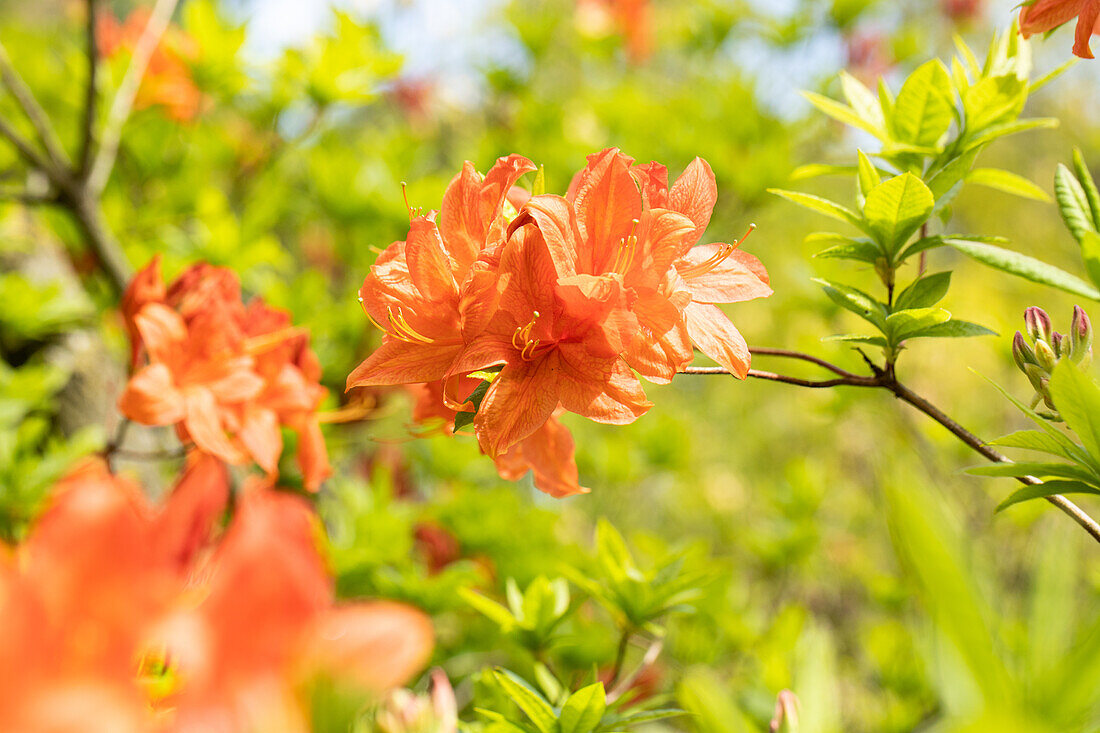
(584,709)
(1090,253)
(1010,128)
(528,700)
(1026,267)
(489,608)
(1080,455)
(922,244)
(862,250)
(953,329)
(1036,441)
(548,682)
(896,208)
(1051,76)
(924,292)
(1078,401)
(867,175)
(1047,488)
(925,106)
(948,181)
(1073,203)
(500,720)
(1008,182)
(645,716)
(814,170)
(857,301)
(842,113)
(993,100)
(862,101)
(902,324)
(1036,469)
(465,419)
(851,338)
(822,206)
(1088,184)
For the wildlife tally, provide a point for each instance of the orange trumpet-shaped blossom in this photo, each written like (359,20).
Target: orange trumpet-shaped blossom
(556,338)
(168,82)
(134,617)
(1041,16)
(227,375)
(425,293)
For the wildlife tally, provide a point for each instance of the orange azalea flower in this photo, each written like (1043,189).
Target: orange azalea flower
(228,376)
(167,83)
(710,273)
(133,617)
(632,16)
(418,292)
(1041,16)
(551,340)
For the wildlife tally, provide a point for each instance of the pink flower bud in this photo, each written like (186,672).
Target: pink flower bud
(785,719)
(1039,326)
(1080,334)
(1022,352)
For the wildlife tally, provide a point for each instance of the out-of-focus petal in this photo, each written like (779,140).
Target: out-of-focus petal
(204,425)
(189,516)
(260,434)
(377,645)
(151,397)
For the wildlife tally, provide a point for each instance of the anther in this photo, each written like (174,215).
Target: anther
(720,256)
(401,328)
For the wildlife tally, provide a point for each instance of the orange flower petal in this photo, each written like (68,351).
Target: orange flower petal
(400,362)
(739,277)
(262,438)
(151,397)
(694,194)
(189,516)
(549,453)
(519,401)
(377,645)
(429,266)
(716,337)
(204,425)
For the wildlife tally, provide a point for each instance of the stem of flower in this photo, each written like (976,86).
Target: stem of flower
(620,655)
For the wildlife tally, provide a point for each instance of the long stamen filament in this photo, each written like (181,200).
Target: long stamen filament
(720,256)
(401,328)
(528,352)
(413,212)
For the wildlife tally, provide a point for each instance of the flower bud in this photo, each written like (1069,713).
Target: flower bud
(785,719)
(1044,356)
(1035,375)
(1059,345)
(1039,326)
(1022,351)
(1080,335)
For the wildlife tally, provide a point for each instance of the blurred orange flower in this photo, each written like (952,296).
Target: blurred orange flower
(135,617)
(227,375)
(1041,16)
(168,83)
(633,18)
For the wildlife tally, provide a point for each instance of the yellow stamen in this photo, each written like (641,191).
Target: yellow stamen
(401,328)
(528,352)
(522,334)
(413,212)
(628,248)
(720,256)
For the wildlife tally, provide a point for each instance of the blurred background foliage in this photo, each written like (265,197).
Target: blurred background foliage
(835,547)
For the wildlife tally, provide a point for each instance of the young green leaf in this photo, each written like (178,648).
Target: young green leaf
(1078,401)
(1088,184)
(924,292)
(1007,182)
(495,612)
(1073,203)
(946,183)
(1039,470)
(1034,440)
(842,113)
(1003,129)
(822,206)
(857,301)
(900,325)
(584,709)
(1026,267)
(1090,253)
(862,250)
(528,700)
(953,329)
(862,101)
(867,176)
(1047,488)
(852,338)
(896,208)
(925,106)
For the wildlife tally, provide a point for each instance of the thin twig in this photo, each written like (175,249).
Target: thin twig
(625,683)
(25,148)
(887,380)
(32,109)
(620,654)
(123,102)
(786,353)
(91,91)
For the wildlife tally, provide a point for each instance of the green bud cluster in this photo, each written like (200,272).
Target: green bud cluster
(1043,347)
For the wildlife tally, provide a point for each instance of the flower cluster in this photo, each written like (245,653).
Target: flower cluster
(124,616)
(520,307)
(228,375)
(1048,347)
(167,83)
